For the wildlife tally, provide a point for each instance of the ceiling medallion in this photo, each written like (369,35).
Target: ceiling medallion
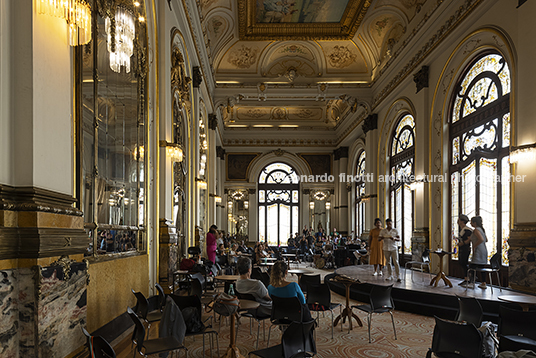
(285,19)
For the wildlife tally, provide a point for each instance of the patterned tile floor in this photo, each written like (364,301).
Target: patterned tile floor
(414,336)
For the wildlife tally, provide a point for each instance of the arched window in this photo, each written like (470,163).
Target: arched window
(359,192)
(402,166)
(279,200)
(479,142)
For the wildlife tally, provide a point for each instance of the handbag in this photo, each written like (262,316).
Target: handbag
(225,304)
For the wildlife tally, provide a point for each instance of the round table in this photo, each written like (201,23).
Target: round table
(227,278)
(233,351)
(347,312)
(299,273)
(523,301)
(441,275)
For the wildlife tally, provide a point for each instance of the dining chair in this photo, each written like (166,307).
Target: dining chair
(453,339)
(380,302)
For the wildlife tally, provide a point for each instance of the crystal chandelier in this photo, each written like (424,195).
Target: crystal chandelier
(77,13)
(125,31)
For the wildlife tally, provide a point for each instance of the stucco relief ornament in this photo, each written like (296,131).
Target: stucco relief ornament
(255,113)
(305,113)
(243,57)
(341,57)
(180,83)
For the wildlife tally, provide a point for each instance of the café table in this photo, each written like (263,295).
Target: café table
(289,256)
(227,278)
(233,351)
(347,311)
(441,275)
(299,273)
(524,301)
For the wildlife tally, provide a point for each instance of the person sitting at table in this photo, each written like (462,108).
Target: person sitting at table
(233,254)
(243,248)
(247,285)
(280,287)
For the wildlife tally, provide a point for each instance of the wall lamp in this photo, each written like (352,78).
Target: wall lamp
(217,198)
(174,151)
(418,183)
(523,152)
(201,184)
(366,198)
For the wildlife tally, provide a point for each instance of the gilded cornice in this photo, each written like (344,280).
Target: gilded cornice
(250,30)
(449,25)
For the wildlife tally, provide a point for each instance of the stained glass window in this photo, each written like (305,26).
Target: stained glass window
(480,140)
(278,203)
(359,192)
(401,167)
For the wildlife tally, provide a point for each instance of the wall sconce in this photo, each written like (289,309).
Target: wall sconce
(366,198)
(201,184)
(328,205)
(138,150)
(312,205)
(523,152)
(77,13)
(246,204)
(418,183)
(217,198)
(174,151)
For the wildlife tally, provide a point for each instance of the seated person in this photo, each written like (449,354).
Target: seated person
(280,287)
(243,248)
(233,253)
(220,250)
(246,285)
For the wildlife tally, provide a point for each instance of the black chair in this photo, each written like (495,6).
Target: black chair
(265,278)
(469,311)
(194,251)
(161,296)
(309,280)
(425,262)
(194,301)
(98,346)
(516,329)
(495,263)
(380,302)
(319,300)
(142,310)
(296,341)
(284,312)
(455,339)
(253,315)
(146,347)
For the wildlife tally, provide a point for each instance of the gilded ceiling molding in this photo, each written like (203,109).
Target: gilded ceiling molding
(345,29)
(280,142)
(462,12)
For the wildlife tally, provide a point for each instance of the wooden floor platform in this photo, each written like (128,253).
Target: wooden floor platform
(418,296)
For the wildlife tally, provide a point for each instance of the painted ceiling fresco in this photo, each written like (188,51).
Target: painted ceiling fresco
(300,11)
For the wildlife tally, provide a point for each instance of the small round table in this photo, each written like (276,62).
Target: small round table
(523,301)
(299,273)
(441,275)
(347,312)
(233,351)
(227,278)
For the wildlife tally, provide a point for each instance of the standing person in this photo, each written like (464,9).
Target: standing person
(390,238)
(211,243)
(376,258)
(480,251)
(464,246)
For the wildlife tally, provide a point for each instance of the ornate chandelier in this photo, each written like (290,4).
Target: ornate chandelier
(125,30)
(77,13)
